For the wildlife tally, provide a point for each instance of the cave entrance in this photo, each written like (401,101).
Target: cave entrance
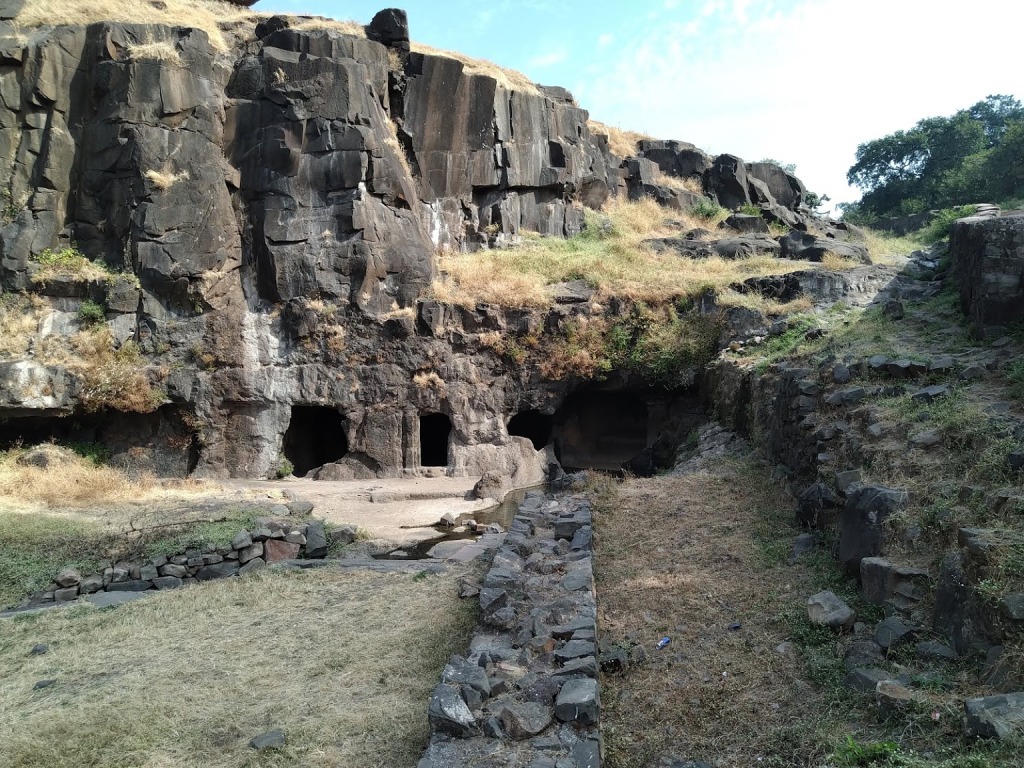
(315,436)
(435,428)
(532,424)
(600,430)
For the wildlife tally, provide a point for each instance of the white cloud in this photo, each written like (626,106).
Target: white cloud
(606,39)
(548,59)
(804,83)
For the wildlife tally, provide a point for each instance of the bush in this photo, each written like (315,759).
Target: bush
(709,209)
(750,210)
(939,227)
(91,313)
(284,468)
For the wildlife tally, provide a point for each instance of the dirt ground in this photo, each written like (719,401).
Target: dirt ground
(401,510)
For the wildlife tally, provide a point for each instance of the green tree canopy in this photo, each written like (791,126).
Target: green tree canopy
(944,161)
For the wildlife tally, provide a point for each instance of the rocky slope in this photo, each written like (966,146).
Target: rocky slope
(214,260)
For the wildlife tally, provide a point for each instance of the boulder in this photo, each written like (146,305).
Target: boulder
(994,717)
(828,610)
(726,179)
(746,223)
(491,485)
(807,247)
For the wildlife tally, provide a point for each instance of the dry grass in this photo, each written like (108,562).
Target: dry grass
(165,178)
(702,559)
(507,78)
(71,480)
(162,51)
(838,263)
(714,694)
(620,142)
(20,316)
(766,306)
(616,265)
(343,662)
(345,27)
(429,380)
(689,184)
(68,263)
(206,15)
(111,376)
(888,249)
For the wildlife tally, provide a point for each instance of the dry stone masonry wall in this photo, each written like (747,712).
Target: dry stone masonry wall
(527,692)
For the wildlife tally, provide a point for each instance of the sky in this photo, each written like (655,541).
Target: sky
(797,81)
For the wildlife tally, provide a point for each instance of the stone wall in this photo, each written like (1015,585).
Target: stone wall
(275,540)
(988,264)
(528,687)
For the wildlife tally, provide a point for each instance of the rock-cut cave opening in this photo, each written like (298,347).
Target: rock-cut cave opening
(315,436)
(600,430)
(435,428)
(532,424)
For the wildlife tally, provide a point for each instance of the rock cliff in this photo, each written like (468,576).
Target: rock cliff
(215,259)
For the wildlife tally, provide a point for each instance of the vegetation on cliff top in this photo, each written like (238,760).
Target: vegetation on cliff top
(609,255)
(213,17)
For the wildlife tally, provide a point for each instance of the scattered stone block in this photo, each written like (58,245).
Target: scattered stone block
(316,540)
(39,649)
(256,564)
(135,585)
(828,610)
(242,540)
(343,535)
(1012,606)
(930,650)
(893,631)
(994,717)
(65,595)
(865,680)
(250,552)
(275,739)
(892,697)
(862,654)
(177,571)
(167,582)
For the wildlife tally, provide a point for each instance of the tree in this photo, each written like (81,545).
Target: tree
(942,161)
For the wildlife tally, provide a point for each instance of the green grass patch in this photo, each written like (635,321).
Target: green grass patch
(218,533)
(34,546)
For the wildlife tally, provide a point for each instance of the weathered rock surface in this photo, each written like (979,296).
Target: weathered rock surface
(988,264)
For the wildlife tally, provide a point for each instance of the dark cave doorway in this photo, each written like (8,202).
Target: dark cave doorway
(435,429)
(315,436)
(600,430)
(534,425)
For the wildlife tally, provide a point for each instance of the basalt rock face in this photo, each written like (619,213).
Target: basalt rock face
(269,216)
